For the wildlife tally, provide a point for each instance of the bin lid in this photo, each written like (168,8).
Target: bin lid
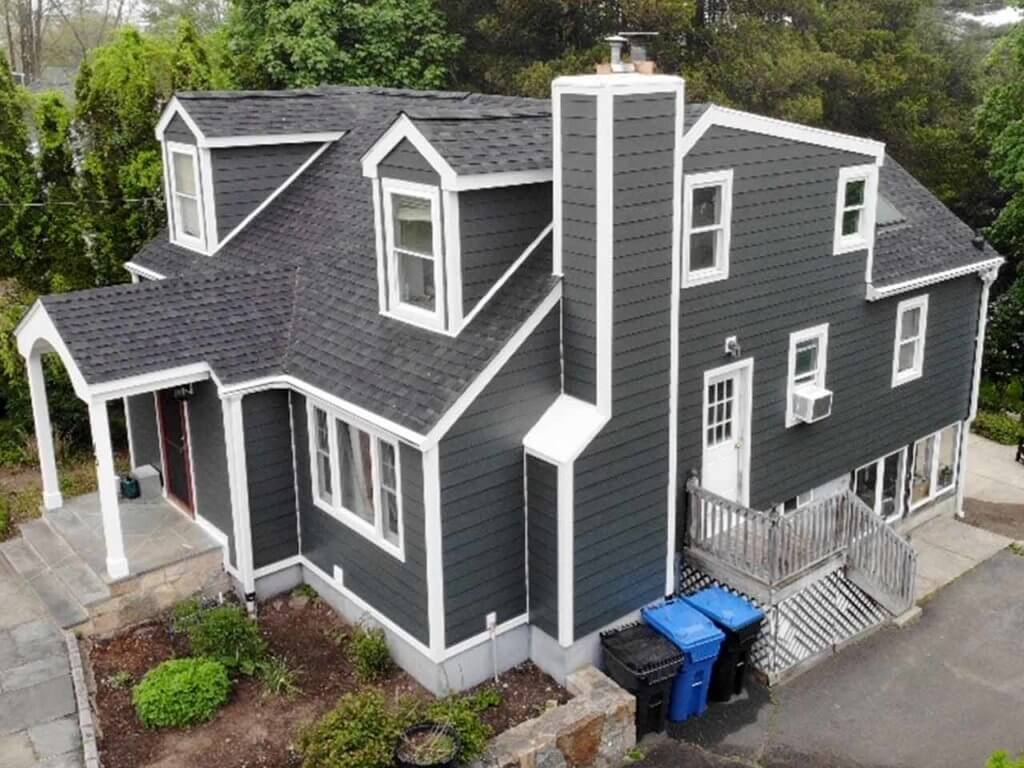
(687,627)
(640,647)
(724,608)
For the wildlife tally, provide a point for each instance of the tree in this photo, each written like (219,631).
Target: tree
(1004,337)
(18,188)
(190,63)
(284,43)
(165,16)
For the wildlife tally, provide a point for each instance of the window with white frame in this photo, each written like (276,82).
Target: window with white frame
(880,485)
(356,479)
(187,224)
(799,501)
(908,347)
(856,202)
(707,227)
(808,359)
(413,243)
(934,468)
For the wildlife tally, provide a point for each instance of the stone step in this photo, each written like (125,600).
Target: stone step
(62,605)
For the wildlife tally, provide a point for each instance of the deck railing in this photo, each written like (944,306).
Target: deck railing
(776,549)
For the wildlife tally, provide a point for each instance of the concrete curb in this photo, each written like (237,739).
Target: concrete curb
(86,725)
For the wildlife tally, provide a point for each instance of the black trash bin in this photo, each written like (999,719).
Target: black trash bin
(741,623)
(646,664)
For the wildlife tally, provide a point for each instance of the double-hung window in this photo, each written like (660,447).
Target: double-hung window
(412,233)
(856,202)
(707,227)
(935,465)
(356,479)
(908,347)
(187,223)
(808,359)
(880,485)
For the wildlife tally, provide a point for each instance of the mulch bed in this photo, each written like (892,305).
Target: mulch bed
(256,730)
(1004,519)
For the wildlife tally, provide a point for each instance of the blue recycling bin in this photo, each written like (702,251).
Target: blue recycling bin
(699,640)
(741,623)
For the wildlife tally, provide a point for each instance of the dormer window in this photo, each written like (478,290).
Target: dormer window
(413,243)
(856,203)
(187,225)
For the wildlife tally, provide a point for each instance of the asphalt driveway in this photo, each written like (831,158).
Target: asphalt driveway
(942,693)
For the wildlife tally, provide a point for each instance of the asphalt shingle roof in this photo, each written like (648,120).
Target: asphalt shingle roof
(491,141)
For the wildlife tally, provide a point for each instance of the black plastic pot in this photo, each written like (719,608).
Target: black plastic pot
(129,487)
(404,757)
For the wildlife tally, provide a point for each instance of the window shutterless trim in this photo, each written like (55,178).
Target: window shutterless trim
(879,465)
(864,238)
(820,333)
(935,492)
(720,271)
(899,378)
(178,235)
(373,531)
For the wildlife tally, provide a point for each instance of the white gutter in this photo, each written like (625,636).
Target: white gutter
(874,294)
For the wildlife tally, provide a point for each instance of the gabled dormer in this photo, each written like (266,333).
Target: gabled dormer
(462,197)
(226,157)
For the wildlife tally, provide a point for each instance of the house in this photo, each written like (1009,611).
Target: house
(463,362)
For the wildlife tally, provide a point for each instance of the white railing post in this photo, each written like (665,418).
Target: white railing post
(52,498)
(106,479)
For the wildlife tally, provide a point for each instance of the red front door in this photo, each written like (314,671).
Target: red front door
(174,444)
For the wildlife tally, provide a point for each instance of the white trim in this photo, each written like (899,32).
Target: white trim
(673,376)
(238,482)
(434,544)
(979,345)
(431,320)
(556,184)
(221,538)
(820,333)
(879,465)
(403,129)
(52,497)
(746,121)
(864,238)
(139,271)
(474,181)
(178,236)
(915,373)
(452,259)
(273,196)
(128,433)
(564,430)
(604,248)
(566,564)
(885,291)
(280,565)
(148,382)
(175,107)
(490,371)
(485,636)
(505,277)
(106,480)
(186,416)
(209,198)
(934,492)
(261,140)
(720,271)
(746,368)
(37,326)
(378,241)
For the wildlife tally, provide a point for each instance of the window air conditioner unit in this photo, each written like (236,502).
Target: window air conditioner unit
(812,403)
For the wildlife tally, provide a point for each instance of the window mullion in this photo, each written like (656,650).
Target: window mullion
(375,477)
(334,461)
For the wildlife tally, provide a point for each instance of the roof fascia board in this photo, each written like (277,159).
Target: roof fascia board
(143,272)
(769,126)
(492,369)
(259,140)
(630,82)
(37,326)
(981,267)
(474,181)
(150,382)
(175,107)
(404,129)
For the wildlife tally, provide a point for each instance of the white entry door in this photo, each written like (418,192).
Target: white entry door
(726,458)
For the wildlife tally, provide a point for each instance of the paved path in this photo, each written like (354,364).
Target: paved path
(38,724)
(947,549)
(942,693)
(993,475)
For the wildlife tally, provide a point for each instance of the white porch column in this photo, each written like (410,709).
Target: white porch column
(52,498)
(106,478)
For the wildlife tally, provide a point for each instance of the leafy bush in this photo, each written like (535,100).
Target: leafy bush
(277,677)
(361,732)
(227,634)
(368,650)
(1002,759)
(185,614)
(5,520)
(1001,427)
(181,692)
(463,714)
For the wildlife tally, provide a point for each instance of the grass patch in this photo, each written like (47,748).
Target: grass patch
(1016,548)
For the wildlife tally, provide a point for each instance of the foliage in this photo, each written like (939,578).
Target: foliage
(227,634)
(277,677)
(1000,427)
(17,178)
(368,651)
(1002,396)
(5,520)
(121,679)
(463,714)
(1004,335)
(306,591)
(181,692)
(185,614)
(401,43)
(1003,759)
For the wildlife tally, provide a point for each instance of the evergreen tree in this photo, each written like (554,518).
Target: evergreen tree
(18,185)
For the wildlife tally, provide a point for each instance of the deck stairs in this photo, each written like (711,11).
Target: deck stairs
(825,575)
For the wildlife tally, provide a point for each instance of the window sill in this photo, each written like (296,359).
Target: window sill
(850,245)
(905,378)
(191,243)
(940,496)
(703,277)
(418,319)
(362,527)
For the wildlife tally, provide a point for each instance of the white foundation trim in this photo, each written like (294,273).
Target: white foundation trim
(221,538)
(485,636)
(280,565)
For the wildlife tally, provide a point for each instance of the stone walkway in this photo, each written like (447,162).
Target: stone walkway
(38,722)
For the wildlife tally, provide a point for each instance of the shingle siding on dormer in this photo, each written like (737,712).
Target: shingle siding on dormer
(784,278)
(178,131)
(406,163)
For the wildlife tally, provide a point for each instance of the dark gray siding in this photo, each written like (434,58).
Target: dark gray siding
(179,132)
(784,278)
(579,232)
(209,458)
(621,479)
(243,177)
(405,162)
(268,463)
(482,513)
(396,589)
(495,226)
(145,435)
(542,541)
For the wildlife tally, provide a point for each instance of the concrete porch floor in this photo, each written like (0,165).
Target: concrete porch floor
(947,549)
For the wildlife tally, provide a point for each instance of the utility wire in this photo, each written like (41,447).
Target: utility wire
(5,204)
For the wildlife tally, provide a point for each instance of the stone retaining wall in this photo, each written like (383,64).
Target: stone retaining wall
(596,728)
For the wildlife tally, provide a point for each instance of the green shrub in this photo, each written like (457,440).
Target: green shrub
(305,590)
(277,677)
(1001,427)
(181,692)
(121,679)
(5,520)
(227,634)
(361,732)
(1003,759)
(185,614)
(368,651)
(463,714)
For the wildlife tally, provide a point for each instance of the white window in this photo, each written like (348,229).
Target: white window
(908,347)
(707,227)
(856,203)
(880,485)
(413,242)
(187,224)
(935,465)
(356,479)
(808,358)
(799,501)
